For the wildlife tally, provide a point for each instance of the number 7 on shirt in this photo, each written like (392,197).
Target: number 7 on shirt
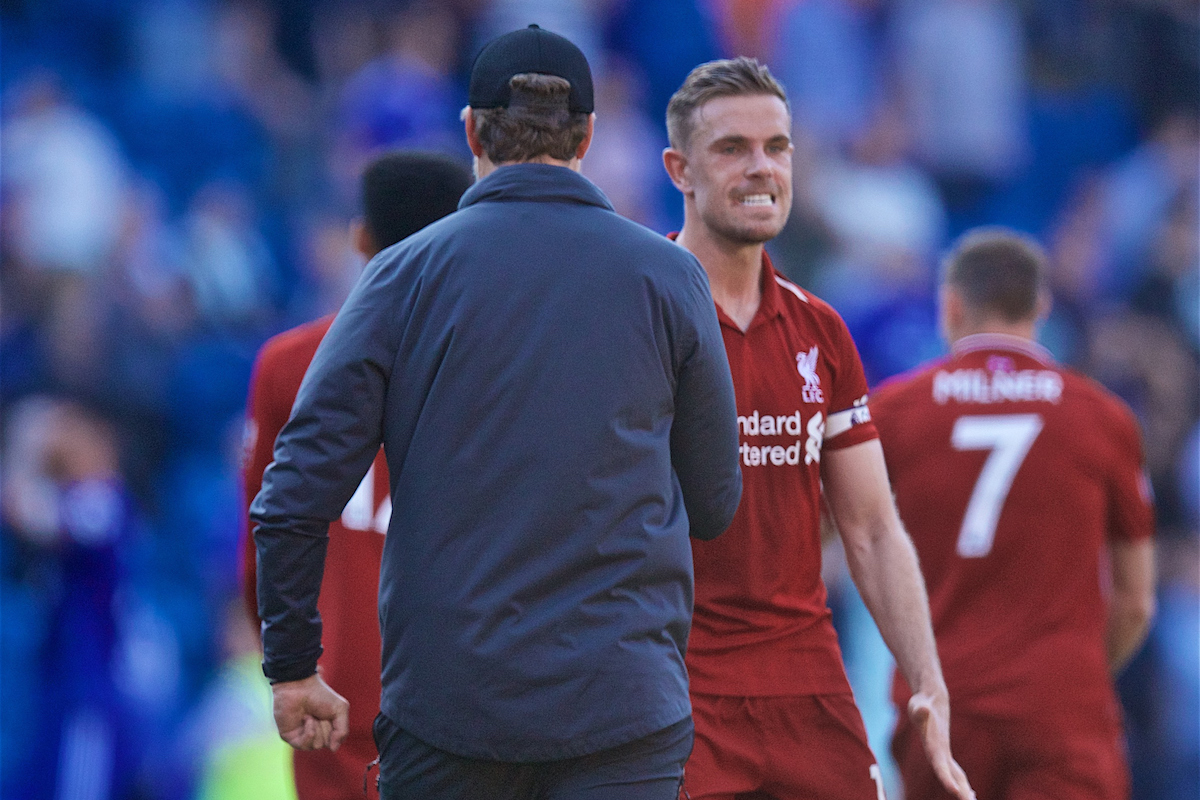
(1008,437)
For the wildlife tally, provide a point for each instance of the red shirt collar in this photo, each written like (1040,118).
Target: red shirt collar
(771,304)
(772,301)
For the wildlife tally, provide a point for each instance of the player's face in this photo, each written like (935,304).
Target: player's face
(739,165)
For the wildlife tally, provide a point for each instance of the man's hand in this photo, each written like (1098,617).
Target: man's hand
(309,714)
(930,715)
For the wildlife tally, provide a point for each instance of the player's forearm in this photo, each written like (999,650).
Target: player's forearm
(1131,607)
(884,567)
(882,561)
(1129,617)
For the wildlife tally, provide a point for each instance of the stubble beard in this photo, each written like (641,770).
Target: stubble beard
(742,234)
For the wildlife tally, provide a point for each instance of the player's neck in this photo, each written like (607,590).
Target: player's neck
(734,270)
(484,166)
(1023,329)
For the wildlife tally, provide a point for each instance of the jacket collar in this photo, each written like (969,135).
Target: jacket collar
(544,183)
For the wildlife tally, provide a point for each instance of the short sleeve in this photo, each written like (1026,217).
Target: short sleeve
(1130,496)
(849,420)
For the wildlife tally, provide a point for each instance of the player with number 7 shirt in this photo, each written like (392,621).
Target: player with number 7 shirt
(1022,485)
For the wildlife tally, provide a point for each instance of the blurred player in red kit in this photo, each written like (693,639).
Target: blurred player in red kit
(773,710)
(402,192)
(1022,485)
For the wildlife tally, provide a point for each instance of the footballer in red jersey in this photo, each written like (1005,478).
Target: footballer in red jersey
(401,193)
(1022,485)
(773,710)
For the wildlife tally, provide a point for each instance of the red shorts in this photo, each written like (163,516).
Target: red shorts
(781,747)
(1020,760)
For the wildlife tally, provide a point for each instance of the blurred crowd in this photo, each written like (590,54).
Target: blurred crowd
(176,182)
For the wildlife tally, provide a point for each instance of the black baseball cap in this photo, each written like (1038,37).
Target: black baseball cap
(529,50)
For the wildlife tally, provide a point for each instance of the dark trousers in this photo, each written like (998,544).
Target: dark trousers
(650,768)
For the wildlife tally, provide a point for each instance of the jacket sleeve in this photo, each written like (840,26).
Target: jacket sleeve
(704,439)
(320,457)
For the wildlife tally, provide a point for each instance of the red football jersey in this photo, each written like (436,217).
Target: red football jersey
(349,601)
(1011,474)
(761,625)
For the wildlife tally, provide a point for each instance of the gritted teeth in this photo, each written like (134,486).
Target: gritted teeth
(758,200)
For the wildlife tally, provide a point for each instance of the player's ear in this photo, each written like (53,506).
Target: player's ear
(581,151)
(675,162)
(468,118)
(951,313)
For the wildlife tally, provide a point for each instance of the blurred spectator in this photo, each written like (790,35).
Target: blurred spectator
(886,212)
(202,98)
(1143,357)
(63,171)
(961,68)
(1144,360)
(247,63)
(344,38)
(65,504)
(172,49)
(405,97)
(147,271)
(747,27)
(578,20)
(228,262)
(329,265)
(626,156)
(828,56)
(1140,192)
(889,221)
(1163,62)
(1077,246)
(1169,289)
(230,736)
(635,29)
(253,79)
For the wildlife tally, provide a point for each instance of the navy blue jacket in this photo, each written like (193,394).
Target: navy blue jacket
(551,389)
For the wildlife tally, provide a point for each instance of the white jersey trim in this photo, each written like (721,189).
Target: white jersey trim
(791,287)
(841,421)
(1002,341)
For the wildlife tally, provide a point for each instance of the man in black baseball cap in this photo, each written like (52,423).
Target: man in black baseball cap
(550,385)
(529,50)
(530,100)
